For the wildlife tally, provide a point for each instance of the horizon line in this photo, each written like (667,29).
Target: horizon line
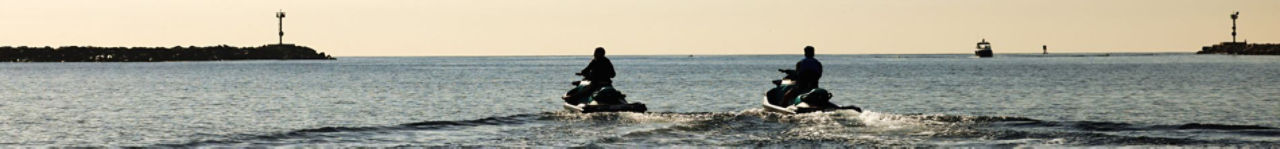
(866,52)
(555,55)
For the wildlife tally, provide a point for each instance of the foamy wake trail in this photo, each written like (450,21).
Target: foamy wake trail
(746,128)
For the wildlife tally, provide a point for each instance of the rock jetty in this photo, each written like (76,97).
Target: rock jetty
(157,54)
(1241,48)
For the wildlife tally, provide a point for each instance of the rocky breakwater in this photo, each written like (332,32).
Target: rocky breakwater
(157,54)
(1241,48)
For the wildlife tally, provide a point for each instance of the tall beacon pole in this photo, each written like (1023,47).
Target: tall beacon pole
(280,15)
(1234,16)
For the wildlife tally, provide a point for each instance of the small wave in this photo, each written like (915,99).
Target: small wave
(1221,126)
(513,119)
(1120,126)
(306,133)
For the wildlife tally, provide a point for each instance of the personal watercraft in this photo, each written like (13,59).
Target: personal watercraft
(582,99)
(814,100)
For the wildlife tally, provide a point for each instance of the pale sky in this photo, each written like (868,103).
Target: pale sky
(644,27)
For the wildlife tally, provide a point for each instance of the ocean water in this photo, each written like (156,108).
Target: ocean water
(1060,100)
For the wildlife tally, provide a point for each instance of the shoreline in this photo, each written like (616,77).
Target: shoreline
(1242,48)
(158,54)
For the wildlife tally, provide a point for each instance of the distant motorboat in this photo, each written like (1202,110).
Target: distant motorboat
(984,49)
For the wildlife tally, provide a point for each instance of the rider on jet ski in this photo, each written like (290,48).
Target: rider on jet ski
(801,94)
(599,72)
(806,76)
(595,93)
(804,79)
(808,71)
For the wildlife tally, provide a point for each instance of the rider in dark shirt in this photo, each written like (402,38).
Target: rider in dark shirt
(600,70)
(808,71)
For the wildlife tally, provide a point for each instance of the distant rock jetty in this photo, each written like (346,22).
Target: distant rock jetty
(157,54)
(1241,48)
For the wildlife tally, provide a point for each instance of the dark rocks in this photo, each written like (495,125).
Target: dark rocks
(156,54)
(1241,48)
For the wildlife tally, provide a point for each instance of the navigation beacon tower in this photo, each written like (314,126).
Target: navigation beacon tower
(280,16)
(1234,16)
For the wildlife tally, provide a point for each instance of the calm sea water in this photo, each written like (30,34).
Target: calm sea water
(701,101)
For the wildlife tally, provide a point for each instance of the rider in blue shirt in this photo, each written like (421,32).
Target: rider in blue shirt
(808,71)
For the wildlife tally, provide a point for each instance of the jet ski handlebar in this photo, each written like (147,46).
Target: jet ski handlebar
(789,72)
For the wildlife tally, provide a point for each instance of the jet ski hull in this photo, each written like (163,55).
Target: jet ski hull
(630,107)
(774,108)
(796,110)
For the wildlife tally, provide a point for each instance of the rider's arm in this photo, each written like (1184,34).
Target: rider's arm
(587,71)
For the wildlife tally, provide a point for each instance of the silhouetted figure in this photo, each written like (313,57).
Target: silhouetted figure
(1046,49)
(798,92)
(808,71)
(599,71)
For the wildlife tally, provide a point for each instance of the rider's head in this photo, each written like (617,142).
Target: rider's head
(599,52)
(808,51)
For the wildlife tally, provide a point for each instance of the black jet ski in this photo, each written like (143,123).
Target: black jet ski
(815,100)
(605,99)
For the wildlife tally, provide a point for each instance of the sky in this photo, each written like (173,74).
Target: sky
(644,27)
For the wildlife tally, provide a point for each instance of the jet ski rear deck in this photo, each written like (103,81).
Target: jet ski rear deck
(583,108)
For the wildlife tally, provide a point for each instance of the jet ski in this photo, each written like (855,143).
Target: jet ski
(815,100)
(604,99)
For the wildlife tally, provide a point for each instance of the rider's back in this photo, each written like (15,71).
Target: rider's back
(599,70)
(808,70)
